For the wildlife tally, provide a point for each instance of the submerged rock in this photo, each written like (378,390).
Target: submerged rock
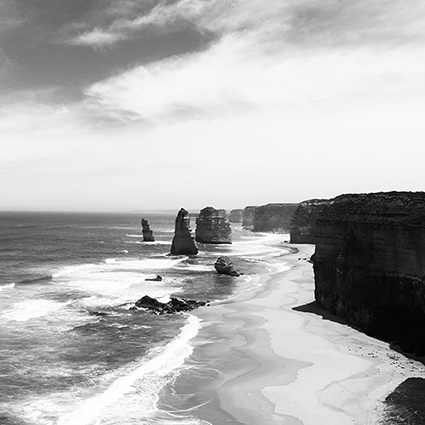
(146,231)
(158,278)
(212,226)
(183,243)
(369,264)
(224,265)
(175,305)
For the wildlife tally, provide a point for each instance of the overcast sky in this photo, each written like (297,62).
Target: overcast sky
(148,104)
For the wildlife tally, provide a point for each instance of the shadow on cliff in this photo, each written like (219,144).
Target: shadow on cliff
(315,308)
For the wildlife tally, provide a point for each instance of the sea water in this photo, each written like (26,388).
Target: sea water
(72,349)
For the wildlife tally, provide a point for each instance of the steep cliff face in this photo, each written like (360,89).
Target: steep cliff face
(248,217)
(146,231)
(212,226)
(303,223)
(273,218)
(236,216)
(183,243)
(369,264)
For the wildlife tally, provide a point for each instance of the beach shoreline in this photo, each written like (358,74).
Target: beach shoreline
(279,361)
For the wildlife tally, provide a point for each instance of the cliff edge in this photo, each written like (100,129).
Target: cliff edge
(369,264)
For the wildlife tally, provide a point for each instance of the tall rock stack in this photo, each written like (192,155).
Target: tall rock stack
(183,243)
(303,222)
(274,218)
(212,226)
(236,216)
(147,232)
(248,217)
(369,264)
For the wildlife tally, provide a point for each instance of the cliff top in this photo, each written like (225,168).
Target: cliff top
(393,208)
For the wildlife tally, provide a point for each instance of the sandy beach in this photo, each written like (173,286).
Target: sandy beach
(282,360)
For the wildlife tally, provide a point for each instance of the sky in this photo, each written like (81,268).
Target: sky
(128,105)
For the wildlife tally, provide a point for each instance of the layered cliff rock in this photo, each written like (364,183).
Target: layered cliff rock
(183,243)
(212,226)
(236,216)
(369,264)
(248,217)
(146,231)
(273,218)
(303,222)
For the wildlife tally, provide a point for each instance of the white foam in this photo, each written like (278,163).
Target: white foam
(142,382)
(9,286)
(110,260)
(26,310)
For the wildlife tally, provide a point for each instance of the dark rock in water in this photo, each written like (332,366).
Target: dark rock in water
(236,216)
(183,243)
(158,278)
(248,217)
(273,218)
(224,265)
(212,226)
(147,232)
(369,264)
(175,305)
(303,222)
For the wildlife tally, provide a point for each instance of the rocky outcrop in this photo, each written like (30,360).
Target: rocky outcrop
(183,243)
(236,216)
(146,231)
(273,218)
(212,226)
(369,264)
(303,222)
(224,265)
(175,305)
(248,217)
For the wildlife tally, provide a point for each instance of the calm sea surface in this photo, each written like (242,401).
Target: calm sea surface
(72,352)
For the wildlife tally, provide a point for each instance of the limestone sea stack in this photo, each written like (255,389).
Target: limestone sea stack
(303,222)
(147,232)
(273,218)
(183,243)
(213,226)
(236,216)
(248,217)
(369,264)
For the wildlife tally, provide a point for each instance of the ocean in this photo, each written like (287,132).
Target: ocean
(72,349)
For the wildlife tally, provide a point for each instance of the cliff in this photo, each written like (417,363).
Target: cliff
(369,264)
(303,222)
(273,218)
(212,226)
(236,216)
(183,243)
(146,231)
(248,217)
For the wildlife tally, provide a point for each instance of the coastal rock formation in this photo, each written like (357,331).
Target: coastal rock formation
(183,243)
(146,231)
(369,264)
(236,216)
(248,217)
(175,305)
(212,226)
(273,218)
(224,265)
(303,222)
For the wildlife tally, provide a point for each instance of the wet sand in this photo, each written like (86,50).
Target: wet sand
(277,358)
